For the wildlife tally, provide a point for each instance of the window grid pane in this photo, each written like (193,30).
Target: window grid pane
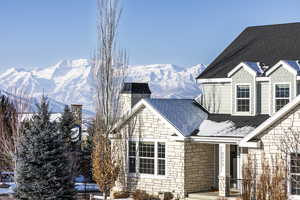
(132,165)
(146,149)
(161,150)
(132,149)
(161,167)
(243,105)
(282,90)
(295,176)
(146,166)
(243,91)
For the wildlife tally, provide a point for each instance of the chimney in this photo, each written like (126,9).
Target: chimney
(132,93)
(76,109)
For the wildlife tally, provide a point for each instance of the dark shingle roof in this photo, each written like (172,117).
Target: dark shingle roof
(136,88)
(184,114)
(239,121)
(267,44)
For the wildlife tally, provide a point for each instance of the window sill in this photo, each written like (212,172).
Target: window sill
(294,197)
(152,176)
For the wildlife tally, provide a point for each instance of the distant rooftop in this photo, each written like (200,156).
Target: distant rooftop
(136,88)
(265,44)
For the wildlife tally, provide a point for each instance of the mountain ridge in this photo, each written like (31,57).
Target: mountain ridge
(70,81)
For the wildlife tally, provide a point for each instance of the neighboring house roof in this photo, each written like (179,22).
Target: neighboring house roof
(136,88)
(185,115)
(269,122)
(226,125)
(267,44)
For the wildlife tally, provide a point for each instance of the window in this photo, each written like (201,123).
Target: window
(161,159)
(132,157)
(295,174)
(146,153)
(282,95)
(243,98)
(150,158)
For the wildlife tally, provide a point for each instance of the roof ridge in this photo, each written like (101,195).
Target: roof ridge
(272,25)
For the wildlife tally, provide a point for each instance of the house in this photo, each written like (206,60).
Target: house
(249,103)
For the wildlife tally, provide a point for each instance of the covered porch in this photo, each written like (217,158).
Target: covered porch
(227,163)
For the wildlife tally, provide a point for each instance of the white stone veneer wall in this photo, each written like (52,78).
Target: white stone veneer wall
(189,166)
(272,138)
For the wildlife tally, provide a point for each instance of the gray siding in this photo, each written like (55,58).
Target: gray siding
(281,75)
(217,97)
(244,77)
(263,100)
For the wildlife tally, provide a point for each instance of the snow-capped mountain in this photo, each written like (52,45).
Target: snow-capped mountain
(70,81)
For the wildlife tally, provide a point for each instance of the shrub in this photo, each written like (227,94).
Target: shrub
(140,195)
(121,195)
(143,195)
(168,196)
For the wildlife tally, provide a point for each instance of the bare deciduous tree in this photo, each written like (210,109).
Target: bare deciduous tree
(109,64)
(13,107)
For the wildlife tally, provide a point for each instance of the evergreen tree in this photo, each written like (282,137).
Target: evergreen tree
(71,140)
(87,148)
(42,167)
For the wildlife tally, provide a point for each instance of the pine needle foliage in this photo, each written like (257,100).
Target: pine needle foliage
(42,169)
(71,140)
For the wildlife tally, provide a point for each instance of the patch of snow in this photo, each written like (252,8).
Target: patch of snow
(225,128)
(10,190)
(255,66)
(81,187)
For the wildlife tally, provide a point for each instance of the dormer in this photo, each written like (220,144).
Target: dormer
(283,83)
(243,87)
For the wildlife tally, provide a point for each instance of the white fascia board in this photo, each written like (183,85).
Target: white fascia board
(266,124)
(215,140)
(283,64)
(255,145)
(242,65)
(263,78)
(215,80)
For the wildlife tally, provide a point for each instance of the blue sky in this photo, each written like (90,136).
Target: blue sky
(35,33)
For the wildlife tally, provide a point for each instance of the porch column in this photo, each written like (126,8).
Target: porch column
(224,169)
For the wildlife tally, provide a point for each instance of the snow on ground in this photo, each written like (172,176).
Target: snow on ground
(81,187)
(9,190)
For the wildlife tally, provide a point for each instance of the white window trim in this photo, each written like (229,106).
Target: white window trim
(235,99)
(137,161)
(289,187)
(274,93)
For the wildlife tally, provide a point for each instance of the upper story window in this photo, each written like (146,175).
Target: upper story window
(282,95)
(295,174)
(243,98)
